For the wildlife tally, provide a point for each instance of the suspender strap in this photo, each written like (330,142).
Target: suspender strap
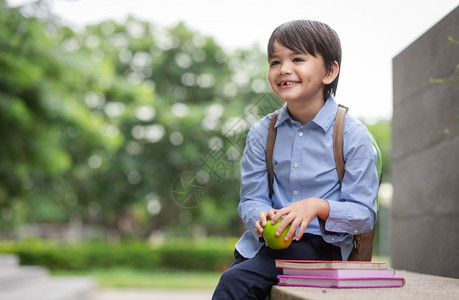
(272,131)
(338,140)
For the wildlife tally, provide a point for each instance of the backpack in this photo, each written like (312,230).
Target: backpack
(363,243)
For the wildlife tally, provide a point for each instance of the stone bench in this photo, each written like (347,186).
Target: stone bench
(418,286)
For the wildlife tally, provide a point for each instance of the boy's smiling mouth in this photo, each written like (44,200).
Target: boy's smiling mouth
(287,84)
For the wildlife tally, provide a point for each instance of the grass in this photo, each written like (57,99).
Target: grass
(131,278)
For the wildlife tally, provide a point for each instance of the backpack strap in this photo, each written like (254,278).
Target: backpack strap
(272,132)
(338,140)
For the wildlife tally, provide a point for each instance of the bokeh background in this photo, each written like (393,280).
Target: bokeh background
(122,123)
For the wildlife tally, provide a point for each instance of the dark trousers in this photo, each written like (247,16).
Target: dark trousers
(253,278)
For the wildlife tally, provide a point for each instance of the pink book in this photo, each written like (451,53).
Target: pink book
(340,273)
(334,282)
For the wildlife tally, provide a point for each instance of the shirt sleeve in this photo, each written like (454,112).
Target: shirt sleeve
(254,179)
(356,210)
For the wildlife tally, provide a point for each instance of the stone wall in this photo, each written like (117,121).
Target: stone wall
(425,153)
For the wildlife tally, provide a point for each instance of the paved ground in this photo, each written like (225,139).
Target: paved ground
(148,294)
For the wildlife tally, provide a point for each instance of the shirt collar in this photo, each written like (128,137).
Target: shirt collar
(326,114)
(324,117)
(283,116)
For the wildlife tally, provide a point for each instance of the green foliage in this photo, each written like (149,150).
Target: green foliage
(205,255)
(38,106)
(209,254)
(381,130)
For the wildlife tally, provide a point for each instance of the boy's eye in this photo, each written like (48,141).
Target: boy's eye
(297,59)
(273,63)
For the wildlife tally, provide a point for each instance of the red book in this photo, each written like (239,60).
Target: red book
(330,264)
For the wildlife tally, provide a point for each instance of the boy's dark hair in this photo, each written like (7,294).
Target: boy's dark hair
(311,37)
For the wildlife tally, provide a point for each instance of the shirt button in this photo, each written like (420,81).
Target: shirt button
(295,165)
(300,133)
(295,192)
(355,231)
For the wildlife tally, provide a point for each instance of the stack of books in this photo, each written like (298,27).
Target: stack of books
(337,274)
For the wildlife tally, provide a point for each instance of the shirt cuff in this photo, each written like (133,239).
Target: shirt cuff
(331,237)
(333,230)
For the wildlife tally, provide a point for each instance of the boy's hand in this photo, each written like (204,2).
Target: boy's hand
(263,218)
(299,214)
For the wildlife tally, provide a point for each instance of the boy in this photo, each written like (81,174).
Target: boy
(304,63)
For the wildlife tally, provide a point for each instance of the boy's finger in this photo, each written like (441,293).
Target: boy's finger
(259,228)
(272,215)
(301,230)
(276,215)
(282,226)
(291,232)
(262,217)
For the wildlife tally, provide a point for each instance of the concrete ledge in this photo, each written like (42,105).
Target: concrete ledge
(418,286)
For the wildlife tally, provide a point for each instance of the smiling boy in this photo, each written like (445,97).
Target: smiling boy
(304,64)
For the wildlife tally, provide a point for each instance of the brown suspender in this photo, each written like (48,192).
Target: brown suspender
(338,140)
(363,243)
(272,132)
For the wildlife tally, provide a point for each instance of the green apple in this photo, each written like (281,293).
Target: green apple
(272,240)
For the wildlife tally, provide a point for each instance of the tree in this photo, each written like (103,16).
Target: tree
(38,108)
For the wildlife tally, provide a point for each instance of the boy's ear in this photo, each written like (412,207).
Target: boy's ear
(332,73)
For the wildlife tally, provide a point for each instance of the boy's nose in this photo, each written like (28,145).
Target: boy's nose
(285,69)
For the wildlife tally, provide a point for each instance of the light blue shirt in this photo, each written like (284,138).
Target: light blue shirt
(304,167)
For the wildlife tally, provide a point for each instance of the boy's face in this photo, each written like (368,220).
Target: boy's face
(297,76)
